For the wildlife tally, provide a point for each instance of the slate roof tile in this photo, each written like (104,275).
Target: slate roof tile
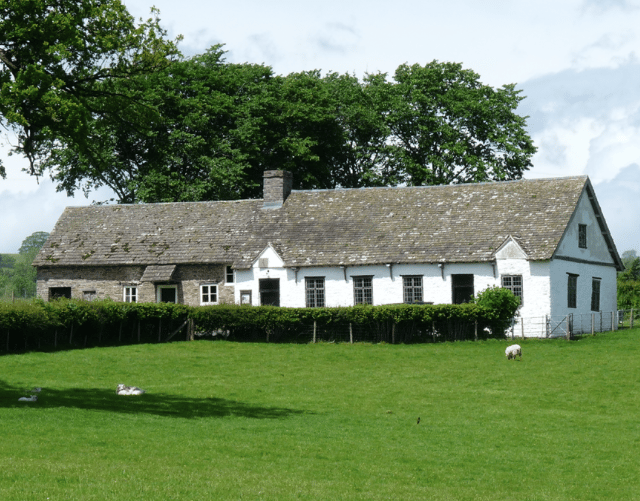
(454,223)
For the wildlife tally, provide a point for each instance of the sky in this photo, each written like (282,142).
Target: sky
(576,61)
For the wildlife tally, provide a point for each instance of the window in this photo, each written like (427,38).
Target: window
(130,294)
(59,292)
(412,289)
(89,295)
(595,294)
(362,290)
(314,292)
(461,288)
(167,293)
(245,297)
(514,284)
(209,294)
(582,236)
(572,290)
(229,275)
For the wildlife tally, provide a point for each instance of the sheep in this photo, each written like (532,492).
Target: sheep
(128,390)
(513,351)
(32,398)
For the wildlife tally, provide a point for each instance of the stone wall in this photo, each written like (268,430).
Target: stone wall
(102,282)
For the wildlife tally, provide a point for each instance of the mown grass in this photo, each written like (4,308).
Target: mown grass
(278,422)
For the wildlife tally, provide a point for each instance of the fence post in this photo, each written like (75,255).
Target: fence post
(593,319)
(433,331)
(568,329)
(393,333)
(475,330)
(314,332)
(350,333)
(613,326)
(71,333)
(522,326)
(631,324)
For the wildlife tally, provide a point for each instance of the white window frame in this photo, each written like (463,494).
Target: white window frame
(208,293)
(130,294)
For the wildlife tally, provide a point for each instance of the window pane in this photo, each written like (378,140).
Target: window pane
(514,284)
(362,290)
(314,292)
(412,289)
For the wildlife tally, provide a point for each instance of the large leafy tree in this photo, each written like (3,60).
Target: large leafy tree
(448,127)
(62,66)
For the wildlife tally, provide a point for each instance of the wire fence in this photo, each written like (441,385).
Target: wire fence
(572,325)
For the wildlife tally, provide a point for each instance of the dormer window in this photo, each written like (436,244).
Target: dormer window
(582,236)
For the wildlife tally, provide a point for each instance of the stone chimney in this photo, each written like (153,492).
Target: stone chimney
(277,186)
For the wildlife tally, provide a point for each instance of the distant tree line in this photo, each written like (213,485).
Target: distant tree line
(99,100)
(17,276)
(629,282)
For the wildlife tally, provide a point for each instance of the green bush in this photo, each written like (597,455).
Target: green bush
(498,307)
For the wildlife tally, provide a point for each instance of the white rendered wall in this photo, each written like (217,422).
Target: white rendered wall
(387,282)
(586,272)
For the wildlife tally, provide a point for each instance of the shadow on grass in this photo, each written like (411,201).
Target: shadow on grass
(160,404)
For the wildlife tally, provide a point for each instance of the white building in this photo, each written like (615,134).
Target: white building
(544,239)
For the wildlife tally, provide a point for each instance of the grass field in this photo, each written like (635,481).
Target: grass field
(326,421)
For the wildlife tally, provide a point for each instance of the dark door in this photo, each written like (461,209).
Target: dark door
(168,295)
(461,288)
(270,292)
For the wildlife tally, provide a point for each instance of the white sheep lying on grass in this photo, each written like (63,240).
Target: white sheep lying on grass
(513,351)
(128,390)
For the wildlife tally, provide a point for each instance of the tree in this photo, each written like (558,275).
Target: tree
(448,127)
(20,280)
(33,243)
(65,64)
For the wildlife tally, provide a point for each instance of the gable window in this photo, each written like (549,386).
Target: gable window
(130,294)
(362,290)
(229,275)
(208,294)
(595,294)
(412,289)
(582,236)
(572,290)
(314,287)
(167,293)
(514,284)
(461,288)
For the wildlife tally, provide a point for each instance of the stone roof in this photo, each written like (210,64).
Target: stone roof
(453,223)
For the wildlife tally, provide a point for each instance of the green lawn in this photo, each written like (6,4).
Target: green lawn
(326,421)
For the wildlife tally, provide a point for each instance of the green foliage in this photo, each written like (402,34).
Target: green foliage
(33,243)
(629,282)
(103,101)
(19,279)
(498,305)
(61,62)
(415,323)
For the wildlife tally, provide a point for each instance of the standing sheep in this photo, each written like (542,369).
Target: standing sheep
(513,351)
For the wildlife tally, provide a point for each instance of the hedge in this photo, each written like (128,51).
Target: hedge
(72,323)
